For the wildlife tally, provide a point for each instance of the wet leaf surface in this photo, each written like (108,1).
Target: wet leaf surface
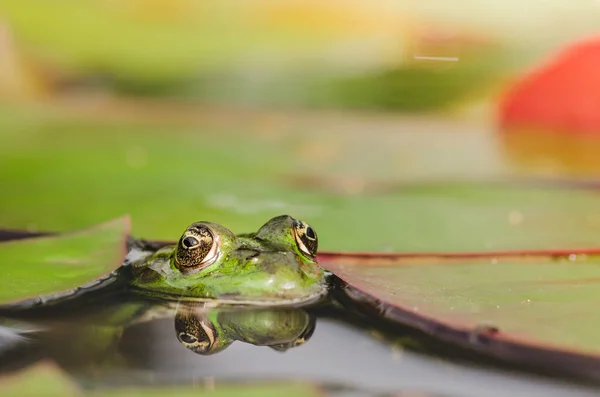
(58,264)
(501,306)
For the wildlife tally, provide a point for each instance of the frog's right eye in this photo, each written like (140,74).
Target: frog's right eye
(306,237)
(198,247)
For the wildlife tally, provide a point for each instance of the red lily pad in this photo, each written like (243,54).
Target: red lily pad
(46,267)
(560,95)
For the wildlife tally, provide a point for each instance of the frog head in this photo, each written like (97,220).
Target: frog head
(274,266)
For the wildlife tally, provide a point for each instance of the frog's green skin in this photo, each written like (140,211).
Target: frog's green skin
(274,266)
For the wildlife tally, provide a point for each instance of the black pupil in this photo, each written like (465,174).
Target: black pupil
(190,242)
(310,233)
(187,338)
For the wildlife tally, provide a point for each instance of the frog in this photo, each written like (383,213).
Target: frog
(274,266)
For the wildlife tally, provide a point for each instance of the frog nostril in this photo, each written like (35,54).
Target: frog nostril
(253,255)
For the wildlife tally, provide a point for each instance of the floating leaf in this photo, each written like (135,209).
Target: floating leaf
(43,379)
(539,310)
(46,379)
(465,217)
(298,164)
(258,389)
(57,265)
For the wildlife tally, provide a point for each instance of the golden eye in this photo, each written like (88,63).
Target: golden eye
(306,238)
(190,242)
(195,334)
(197,248)
(187,339)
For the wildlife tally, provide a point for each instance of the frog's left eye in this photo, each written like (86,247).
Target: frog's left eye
(197,248)
(306,238)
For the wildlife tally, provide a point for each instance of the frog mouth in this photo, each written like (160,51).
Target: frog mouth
(233,300)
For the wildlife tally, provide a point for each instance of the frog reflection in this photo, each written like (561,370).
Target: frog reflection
(207,332)
(100,343)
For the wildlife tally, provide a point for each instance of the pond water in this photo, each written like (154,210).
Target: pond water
(124,341)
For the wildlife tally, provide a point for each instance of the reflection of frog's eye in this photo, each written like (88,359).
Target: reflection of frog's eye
(195,332)
(197,248)
(187,338)
(200,345)
(306,238)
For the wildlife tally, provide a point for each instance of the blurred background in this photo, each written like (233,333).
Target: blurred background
(232,111)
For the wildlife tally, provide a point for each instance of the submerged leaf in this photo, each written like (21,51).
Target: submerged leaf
(56,265)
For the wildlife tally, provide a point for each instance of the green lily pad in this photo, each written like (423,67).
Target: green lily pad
(48,380)
(257,389)
(55,265)
(169,176)
(44,378)
(537,310)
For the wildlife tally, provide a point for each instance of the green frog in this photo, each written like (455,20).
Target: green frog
(274,266)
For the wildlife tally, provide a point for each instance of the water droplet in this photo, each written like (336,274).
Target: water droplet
(572,257)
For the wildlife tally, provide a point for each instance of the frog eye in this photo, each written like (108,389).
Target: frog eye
(197,248)
(306,238)
(198,336)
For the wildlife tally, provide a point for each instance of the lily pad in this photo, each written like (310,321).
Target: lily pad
(536,310)
(56,265)
(555,96)
(48,380)
(379,209)
(257,389)
(44,378)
